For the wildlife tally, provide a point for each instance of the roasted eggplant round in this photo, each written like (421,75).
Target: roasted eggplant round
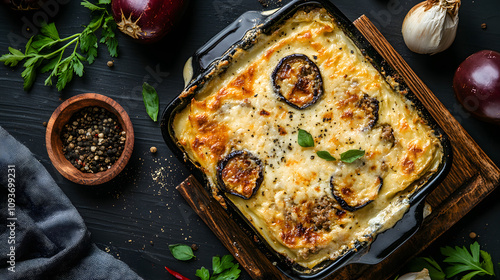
(387,134)
(297,81)
(240,174)
(355,192)
(369,106)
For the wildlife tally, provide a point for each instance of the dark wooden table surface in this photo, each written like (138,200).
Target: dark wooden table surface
(137,215)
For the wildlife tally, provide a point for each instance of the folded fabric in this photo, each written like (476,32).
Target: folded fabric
(42,235)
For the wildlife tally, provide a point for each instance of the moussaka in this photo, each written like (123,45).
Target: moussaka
(308,140)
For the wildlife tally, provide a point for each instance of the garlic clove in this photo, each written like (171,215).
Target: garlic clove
(422,275)
(430,26)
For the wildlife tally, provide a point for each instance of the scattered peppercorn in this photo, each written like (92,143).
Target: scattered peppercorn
(110,63)
(153,150)
(472,235)
(93,139)
(44,124)
(483,25)
(194,247)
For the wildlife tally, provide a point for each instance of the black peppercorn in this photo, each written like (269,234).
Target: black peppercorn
(93,139)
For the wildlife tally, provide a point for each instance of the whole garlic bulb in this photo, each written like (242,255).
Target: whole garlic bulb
(431,26)
(422,275)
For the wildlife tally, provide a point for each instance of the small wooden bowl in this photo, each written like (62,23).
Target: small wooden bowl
(62,115)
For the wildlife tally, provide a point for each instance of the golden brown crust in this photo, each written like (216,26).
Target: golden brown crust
(296,209)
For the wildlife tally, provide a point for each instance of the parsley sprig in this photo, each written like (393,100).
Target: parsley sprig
(460,260)
(223,269)
(45,52)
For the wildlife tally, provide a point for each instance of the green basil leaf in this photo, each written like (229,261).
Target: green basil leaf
(151,101)
(305,139)
(351,155)
(181,252)
(325,155)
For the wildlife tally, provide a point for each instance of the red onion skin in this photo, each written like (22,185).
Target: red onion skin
(24,5)
(147,20)
(477,85)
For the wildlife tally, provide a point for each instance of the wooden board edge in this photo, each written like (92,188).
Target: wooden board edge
(226,229)
(486,180)
(259,267)
(443,117)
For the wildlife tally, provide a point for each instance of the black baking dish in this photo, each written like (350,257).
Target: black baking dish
(239,35)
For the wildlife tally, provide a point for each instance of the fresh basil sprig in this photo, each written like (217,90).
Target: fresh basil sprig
(181,252)
(306,140)
(348,157)
(151,101)
(223,268)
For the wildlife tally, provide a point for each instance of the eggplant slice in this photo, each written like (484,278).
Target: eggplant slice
(387,135)
(355,192)
(369,105)
(297,81)
(240,174)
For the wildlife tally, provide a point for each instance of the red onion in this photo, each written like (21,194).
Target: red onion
(24,5)
(477,85)
(147,20)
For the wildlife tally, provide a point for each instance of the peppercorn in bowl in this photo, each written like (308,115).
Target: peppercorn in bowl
(89,139)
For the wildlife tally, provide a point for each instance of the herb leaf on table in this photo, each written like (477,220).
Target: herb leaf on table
(44,52)
(223,269)
(181,252)
(151,101)
(435,270)
(461,260)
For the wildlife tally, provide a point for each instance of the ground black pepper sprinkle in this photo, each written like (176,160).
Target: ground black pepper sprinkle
(93,139)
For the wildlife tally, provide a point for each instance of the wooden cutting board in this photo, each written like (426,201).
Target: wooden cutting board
(472,177)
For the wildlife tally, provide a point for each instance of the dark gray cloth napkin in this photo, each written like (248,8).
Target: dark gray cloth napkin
(42,235)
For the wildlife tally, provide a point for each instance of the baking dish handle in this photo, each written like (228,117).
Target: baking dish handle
(223,42)
(388,241)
